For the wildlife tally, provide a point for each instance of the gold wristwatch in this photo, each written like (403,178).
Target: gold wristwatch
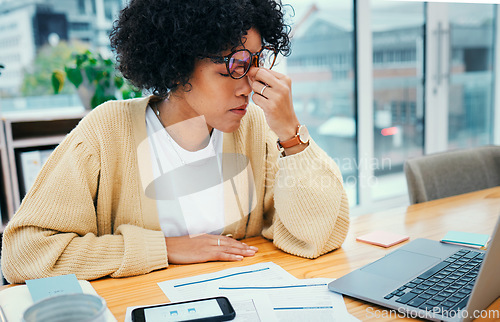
(301,137)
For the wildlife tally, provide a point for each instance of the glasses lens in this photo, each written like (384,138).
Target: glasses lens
(267,58)
(239,63)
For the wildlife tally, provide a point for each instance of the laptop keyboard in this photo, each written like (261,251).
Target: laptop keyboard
(444,287)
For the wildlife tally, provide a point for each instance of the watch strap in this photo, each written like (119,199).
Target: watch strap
(289,143)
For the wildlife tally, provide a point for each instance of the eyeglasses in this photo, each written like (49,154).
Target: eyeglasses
(238,62)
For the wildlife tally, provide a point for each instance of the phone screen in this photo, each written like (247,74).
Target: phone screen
(184,311)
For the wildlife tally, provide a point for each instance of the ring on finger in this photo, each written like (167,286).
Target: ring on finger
(263,88)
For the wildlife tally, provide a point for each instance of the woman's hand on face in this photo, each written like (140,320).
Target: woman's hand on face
(205,248)
(275,99)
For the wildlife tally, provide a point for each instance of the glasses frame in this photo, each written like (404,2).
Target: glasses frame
(254,59)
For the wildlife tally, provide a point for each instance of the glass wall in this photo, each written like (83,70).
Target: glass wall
(398,96)
(472,32)
(321,67)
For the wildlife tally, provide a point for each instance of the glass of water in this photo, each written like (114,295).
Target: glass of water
(68,307)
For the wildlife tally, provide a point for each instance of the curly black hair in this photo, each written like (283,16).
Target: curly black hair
(157,42)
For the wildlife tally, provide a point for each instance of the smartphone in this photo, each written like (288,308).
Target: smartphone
(209,309)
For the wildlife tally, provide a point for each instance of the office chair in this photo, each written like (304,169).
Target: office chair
(452,173)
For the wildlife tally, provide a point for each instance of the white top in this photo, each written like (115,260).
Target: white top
(189,189)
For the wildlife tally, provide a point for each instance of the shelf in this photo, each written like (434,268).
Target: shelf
(6,197)
(28,133)
(40,141)
(29,129)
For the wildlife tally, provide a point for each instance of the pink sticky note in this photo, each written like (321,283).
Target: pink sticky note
(382,238)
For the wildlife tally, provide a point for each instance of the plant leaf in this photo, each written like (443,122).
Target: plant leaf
(80,59)
(100,74)
(100,97)
(130,93)
(91,74)
(74,75)
(57,81)
(119,81)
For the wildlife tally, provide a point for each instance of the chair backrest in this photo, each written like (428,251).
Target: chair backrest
(452,173)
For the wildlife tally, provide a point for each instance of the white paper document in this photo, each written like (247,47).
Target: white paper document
(263,292)
(253,309)
(301,300)
(201,286)
(206,285)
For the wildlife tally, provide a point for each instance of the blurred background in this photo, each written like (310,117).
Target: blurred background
(376,82)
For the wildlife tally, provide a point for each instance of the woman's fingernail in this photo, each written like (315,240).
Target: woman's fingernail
(249,251)
(254,248)
(239,257)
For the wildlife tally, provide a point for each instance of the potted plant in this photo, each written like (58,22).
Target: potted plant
(95,78)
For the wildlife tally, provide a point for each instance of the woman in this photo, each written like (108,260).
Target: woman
(180,176)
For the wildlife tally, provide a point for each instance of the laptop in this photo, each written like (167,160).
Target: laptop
(430,280)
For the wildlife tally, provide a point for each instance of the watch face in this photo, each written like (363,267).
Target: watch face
(303,134)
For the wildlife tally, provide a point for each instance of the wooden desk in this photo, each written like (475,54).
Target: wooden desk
(475,212)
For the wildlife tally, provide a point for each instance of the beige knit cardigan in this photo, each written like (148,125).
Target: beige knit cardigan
(87,212)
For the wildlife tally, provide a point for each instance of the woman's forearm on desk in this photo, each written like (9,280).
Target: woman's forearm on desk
(311,207)
(66,224)
(34,252)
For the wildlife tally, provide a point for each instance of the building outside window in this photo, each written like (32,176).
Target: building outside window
(322,71)
(472,32)
(409,42)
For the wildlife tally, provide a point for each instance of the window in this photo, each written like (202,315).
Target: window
(429,67)
(472,43)
(79,26)
(322,72)
(397,38)
(81,7)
